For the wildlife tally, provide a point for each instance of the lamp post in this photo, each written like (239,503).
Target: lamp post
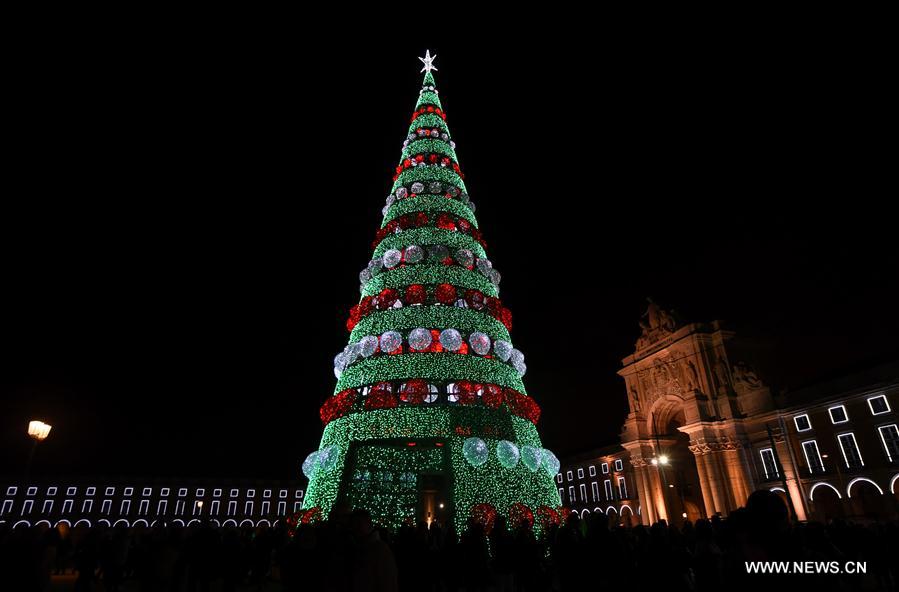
(37,431)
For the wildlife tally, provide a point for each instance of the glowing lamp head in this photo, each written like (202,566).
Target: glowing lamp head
(654,461)
(39,430)
(684,515)
(663,459)
(441,505)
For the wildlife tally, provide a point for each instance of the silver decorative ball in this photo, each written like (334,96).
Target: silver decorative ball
(435,187)
(392,258)
(391,199)
(414,254)
(364,276)
(450,339)
(417,187)
(401,193)
(503,349)
(368,345)
(464,257)
(484,265)
(495,277)
(391,341)
(480,343)
(438,252)
(420,339)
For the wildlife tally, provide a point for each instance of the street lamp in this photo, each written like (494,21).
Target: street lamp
(663,459)
(37,431)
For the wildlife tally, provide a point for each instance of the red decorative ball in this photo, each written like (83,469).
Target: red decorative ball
(475,299)
(421,219)
(414,391)
(492,396)
(337,406)
(380,397)
(433,158)
(547,517)
(467,392)
(365,306)
(520,516)
(445,294)
(387,298)
(404,221)
(446,222)
(464,225)
(494,307)
(505,317)
(485,515)
(416,294)
(419,158)
(354,318)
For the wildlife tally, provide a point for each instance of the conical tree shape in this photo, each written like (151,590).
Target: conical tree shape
(430,418)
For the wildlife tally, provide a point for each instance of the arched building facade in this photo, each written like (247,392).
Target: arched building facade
(704,431)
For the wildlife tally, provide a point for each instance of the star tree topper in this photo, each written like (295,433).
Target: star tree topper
(428,61)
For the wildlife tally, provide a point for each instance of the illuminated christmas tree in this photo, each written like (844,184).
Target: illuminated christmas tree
(430,418)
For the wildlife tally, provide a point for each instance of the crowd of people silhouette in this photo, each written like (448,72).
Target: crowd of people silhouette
(348,553)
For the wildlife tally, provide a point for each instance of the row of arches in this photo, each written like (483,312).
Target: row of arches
(825,484)
(230,523)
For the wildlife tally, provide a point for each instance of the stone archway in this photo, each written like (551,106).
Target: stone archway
(679,480)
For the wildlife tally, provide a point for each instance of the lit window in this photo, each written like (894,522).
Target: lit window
(232,508)
(282,494)
(605,468)
(162,507)
(592,471)
(179,507)
(147,492)
(583,493)
(580,473)
(812,457)
(182,492)
(110,491)
(558,477)
(31,491)
(234,493)
(889,435)
(51,491)
(143,508)
(299,493)
(125,508)
(201,492)
(67,506)
(164,491)
(216,493)
(562,494)
(851,454)
(87,506)
(214,508)
(91,491)
(48,507)
(569,475)
(622,488)
(571,498)
(769,464)
(11,490)
(282,507)
(72,491)
(594,487)
(248,509)
(879,405)
(27,507)
(297,506)
(608,485)
(266,493)
(7,507)
(802,423)
(251,493)
(266,508)
(129,491)
(619,466)
(198,507)
(838,414)
(106,507)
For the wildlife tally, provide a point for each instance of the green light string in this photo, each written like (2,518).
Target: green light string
(428,204)
(426,173)
(400,277)
(428,236)
(438,367)
(466,320)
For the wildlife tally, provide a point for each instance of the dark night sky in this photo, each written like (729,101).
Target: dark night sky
(183,227)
